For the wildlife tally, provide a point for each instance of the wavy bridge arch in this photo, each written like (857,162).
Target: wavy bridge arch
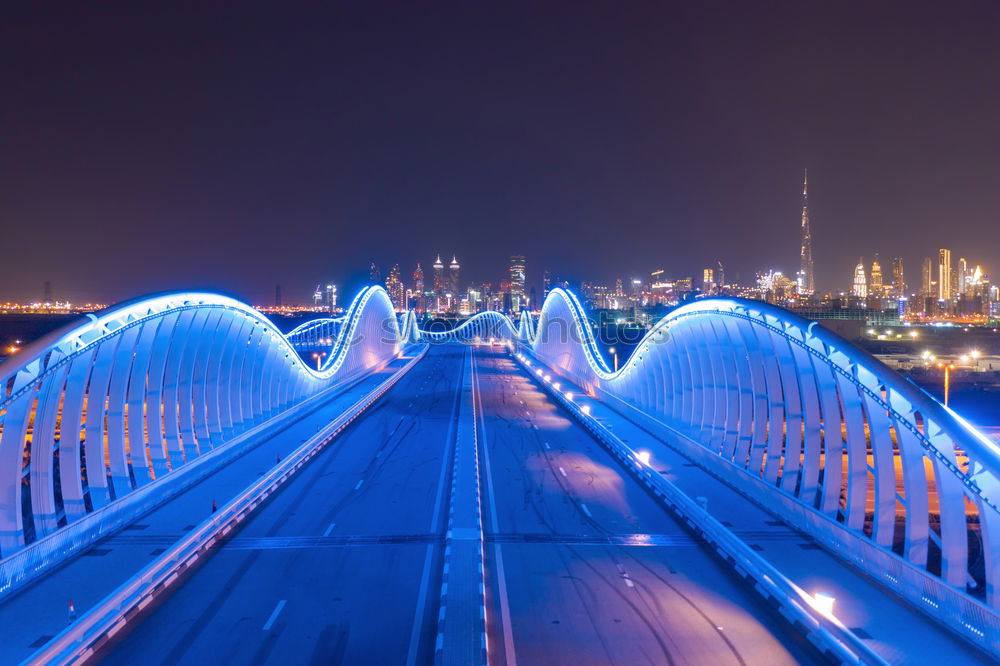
(481,326)
(836,439)
(99,408)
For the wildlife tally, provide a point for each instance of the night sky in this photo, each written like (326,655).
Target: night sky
(185,145)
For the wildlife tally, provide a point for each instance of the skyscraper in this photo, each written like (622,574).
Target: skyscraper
(875,283)
(418,288)
(944,274)
(394,285)
(963,270)
(898,279)
(453,269)
(927,278)
(807,285)
(517,282)
(860,282)
(331,298)
(438,286)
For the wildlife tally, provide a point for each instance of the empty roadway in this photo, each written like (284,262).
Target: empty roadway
(331,569)
(556,499)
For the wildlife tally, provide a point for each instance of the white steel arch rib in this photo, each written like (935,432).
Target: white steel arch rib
(482,326)
(99,408)
(834,436)
(311,333)
(320,333)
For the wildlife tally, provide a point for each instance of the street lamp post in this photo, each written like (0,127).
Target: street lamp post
(319,359)
(614,352)
(948,367)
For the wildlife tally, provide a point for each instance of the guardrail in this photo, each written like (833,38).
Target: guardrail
(973,620)
(829,636)
(82,638)
(50,551)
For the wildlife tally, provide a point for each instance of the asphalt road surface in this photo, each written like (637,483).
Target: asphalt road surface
(584,566)
(342,565)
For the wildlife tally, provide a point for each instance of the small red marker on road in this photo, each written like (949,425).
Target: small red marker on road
(279,457)
(72,612)
(214,507)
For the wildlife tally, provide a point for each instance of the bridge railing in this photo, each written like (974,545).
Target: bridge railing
(78,641)
(821,430)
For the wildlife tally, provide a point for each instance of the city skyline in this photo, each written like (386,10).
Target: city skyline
(803,278)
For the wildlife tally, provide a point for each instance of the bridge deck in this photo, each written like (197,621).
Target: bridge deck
(345,563)
(601,572)
(887,624)
(35,614)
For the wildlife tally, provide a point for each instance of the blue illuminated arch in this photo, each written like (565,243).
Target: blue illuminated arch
(132,393)
(816,429)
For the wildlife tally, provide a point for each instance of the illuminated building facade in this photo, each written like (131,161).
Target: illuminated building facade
(453,272)
(898,278)
(394,285)
(875,284)
(860,287)
(927,278)
(805,280)
(944,275)
(439,285)
(517,293)
(419,303)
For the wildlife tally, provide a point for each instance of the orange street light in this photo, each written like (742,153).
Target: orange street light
(947,367)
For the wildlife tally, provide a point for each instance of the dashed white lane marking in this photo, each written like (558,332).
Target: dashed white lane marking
(359,484)
(547,446)
(585,509)
(275,614)
(562,471)
(329,529)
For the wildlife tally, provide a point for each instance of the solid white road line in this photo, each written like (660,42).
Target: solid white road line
(508,631)
(275,614)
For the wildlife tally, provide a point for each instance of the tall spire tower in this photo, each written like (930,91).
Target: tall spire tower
(807,285)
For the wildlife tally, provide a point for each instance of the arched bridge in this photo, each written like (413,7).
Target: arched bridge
(96,410)
(791,425)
